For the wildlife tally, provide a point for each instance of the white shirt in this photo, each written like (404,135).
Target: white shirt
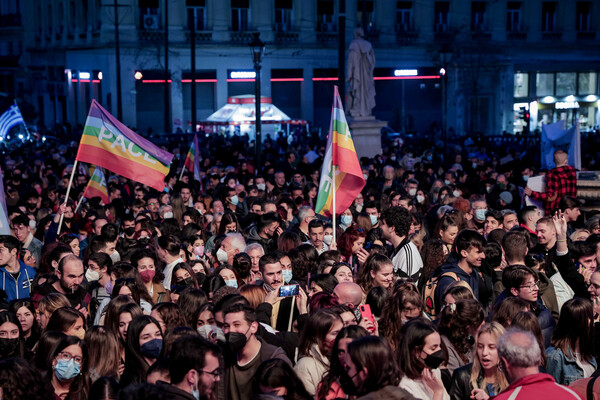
(168,271)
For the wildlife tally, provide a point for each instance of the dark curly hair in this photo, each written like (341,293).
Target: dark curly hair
(399,218)
(19,379)
(456,323)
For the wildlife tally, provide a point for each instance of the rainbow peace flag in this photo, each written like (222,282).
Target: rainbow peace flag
(341,157)
(192,161)
(108,143)
(96,187)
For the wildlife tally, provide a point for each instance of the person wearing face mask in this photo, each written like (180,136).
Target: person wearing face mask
(68,321)
(166,212)
(232,200)
(371,371)
(520,358)
(145,261)
(12,342)
(69,377)
(142,348)
(233,244)
(244,351)
(478,210)
(419,355)
(99,266)
(193,368)
(372,209)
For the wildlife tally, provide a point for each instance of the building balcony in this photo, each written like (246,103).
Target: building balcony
(283,36)
(481,32)
(327,37)
(552,35)
(10,20)
(586,35)
(201,36)
(517,35)
(242,36)
(151,35)
(407,37)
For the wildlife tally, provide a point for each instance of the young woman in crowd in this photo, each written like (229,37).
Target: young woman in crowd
(322,283)
(69,376)
(446,231)
(458,324)
(420,354)
(48,304)
(330,387)
(350,244)
(315,347)
(342,272)
(142,348)
(69,321)
(571,356)
(404,305)
(168,316)
(276,378)
(377,271)
(25,312)
(103,353)
(229,275)
(12,341)
(145,262)
(483,378)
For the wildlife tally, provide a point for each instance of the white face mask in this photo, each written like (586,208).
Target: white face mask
(222,255)
(456,193)
(91,275)
(412,192)
(211,332)
(328,239)
(115,257)
(261,186)
(168,214)
(420,198)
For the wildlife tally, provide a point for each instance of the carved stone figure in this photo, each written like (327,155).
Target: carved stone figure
(361,63)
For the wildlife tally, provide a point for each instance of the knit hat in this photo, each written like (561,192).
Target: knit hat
(506,197)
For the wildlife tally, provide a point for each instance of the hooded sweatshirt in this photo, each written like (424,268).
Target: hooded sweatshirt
(472,279)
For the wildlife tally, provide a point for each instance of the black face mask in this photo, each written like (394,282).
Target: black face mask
(236,341)
(434,360)
(8,346)
(129,231)
(347,384)
(187,282)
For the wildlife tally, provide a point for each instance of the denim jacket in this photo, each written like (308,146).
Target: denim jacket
(563,367)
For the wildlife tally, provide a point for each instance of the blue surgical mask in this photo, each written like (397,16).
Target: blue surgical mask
(480,214)
(286,275)
(346,220)
(525,178)
(373,219)
(231,283)
(234,200)
(65,370)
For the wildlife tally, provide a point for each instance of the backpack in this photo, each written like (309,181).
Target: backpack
(429,292)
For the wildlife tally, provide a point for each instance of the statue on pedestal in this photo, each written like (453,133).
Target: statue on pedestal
(361,63)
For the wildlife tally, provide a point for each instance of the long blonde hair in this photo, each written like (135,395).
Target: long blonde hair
(496,330)
(103,352)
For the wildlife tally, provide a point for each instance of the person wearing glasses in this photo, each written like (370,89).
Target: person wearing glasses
(522,281)
(194,369)
(69,376)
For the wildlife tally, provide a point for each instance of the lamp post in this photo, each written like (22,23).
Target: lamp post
(257,47)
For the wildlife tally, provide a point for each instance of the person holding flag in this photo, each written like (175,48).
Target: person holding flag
(341,175)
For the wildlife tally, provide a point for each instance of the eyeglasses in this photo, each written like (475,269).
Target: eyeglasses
(215,374)
(531,286)
(69,357)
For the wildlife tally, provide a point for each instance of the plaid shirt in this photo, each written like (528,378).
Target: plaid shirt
(560,182)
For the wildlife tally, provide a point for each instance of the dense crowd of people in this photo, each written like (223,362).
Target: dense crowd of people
(438,282)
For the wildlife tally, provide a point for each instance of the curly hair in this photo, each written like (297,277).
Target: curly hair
(391,317)
(19,379)
(399,218)
(457,321)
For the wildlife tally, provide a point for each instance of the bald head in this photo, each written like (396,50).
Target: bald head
(349,294)
(561,158)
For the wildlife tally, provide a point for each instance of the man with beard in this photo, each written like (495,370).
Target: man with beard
(263,232)
(281,307)
(194,369)
(70,275)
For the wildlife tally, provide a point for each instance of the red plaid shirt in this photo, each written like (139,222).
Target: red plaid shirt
(560,182)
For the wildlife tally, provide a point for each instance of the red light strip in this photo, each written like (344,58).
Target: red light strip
(96,81)
(154,81)
(287,79)
(389,78)
(241,80)
(199,81)
(324,79)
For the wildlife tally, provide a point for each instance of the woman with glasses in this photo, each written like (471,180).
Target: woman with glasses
(69,376)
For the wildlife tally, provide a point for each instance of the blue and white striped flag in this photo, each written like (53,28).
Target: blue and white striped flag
(10,118)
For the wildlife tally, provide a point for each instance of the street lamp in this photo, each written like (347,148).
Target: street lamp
(257,47)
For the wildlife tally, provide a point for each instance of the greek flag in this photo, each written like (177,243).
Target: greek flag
(10,118)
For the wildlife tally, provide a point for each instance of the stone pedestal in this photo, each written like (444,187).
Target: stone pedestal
(366,133)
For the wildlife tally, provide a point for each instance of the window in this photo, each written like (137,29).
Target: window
(478,15)
(149,14)
(548,16)
(587,83)
(565,83)
(544,84)
(283,15)
(441,21)
(521,84)
(365,17)
(583,15)
(240,15)
(513,17)
(196,12)
(325,13)
(404,16)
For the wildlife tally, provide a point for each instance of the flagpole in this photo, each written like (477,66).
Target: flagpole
(24,124)
(79,202)
(333,202)
(182,171)
(62,216)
